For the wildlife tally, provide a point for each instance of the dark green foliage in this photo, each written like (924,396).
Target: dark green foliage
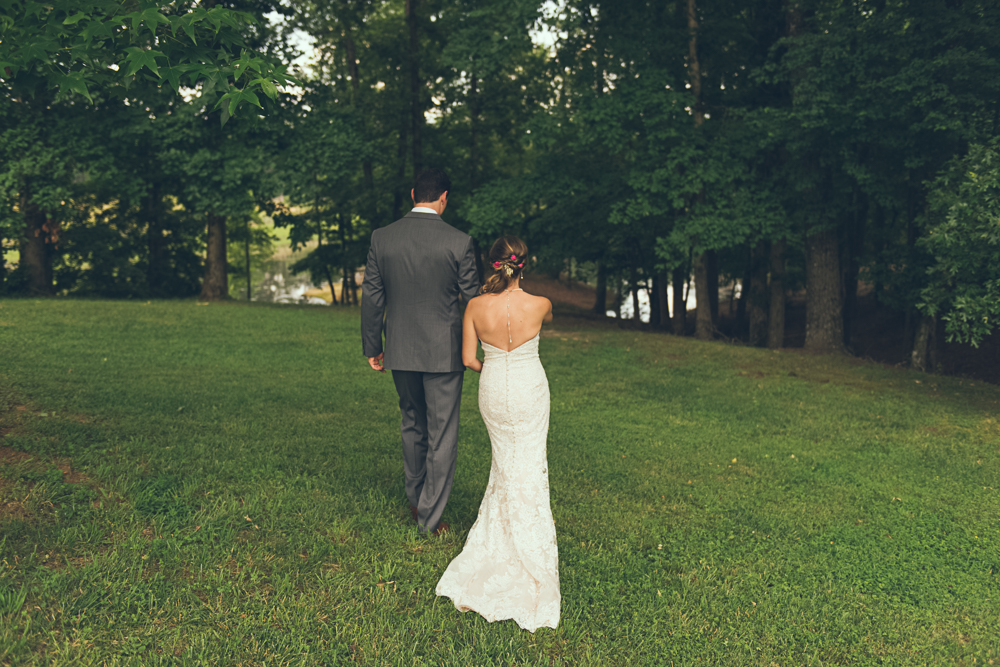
(822,121)
(100,47)
(963,239)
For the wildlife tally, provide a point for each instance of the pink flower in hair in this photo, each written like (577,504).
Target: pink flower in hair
(521,265)
(513,257)
(496,265)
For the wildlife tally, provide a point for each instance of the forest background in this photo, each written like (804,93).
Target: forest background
(836,153)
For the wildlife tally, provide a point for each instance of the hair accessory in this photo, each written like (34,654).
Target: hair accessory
(509,271)
(496,265)
(513,258)
(521,265)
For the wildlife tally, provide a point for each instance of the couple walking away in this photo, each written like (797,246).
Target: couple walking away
(419,271)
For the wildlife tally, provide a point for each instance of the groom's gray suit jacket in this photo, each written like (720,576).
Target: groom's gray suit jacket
(417,269)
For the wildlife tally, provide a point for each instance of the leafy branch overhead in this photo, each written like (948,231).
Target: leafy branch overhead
(79,47)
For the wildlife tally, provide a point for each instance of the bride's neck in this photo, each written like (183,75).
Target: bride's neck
(513,285)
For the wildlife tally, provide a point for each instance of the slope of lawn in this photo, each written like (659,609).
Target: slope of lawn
(222,484)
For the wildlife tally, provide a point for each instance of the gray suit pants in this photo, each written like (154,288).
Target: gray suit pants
(429,403)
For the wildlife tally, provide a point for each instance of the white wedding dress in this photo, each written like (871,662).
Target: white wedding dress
(509,568)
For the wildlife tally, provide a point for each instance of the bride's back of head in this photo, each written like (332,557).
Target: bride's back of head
(508,257)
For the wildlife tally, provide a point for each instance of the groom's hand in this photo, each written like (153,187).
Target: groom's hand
(376,363)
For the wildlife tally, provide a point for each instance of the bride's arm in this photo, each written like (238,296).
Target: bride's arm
(470,340)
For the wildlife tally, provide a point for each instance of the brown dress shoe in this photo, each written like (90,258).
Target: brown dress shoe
(413,512)
(442,528)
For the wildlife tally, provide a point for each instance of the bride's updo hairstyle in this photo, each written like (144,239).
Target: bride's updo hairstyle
(508,256)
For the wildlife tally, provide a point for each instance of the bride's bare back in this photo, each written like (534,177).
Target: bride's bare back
(486,319)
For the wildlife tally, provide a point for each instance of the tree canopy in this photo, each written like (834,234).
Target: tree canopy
(818,147)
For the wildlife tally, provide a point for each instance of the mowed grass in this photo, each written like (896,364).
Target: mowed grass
(222,485)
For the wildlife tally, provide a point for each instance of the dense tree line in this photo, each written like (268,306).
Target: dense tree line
(787,145)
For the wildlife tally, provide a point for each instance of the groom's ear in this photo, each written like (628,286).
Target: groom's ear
(411,196)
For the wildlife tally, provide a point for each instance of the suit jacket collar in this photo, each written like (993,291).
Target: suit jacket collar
(422,216)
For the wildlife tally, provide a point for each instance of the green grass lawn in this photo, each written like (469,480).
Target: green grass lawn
(241,500)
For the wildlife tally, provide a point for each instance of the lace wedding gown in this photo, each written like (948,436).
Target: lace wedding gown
(509,568)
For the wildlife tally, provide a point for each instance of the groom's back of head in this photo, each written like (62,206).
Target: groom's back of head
(429,185)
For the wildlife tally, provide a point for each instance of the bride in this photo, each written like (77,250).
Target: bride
(509,568)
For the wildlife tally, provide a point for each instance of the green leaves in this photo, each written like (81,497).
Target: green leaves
(76,18)
(75,82)
(173,75)
(963,237)
(178,23)
(265,83)
(235,97)
(69,48)
(244,64)
(139,58)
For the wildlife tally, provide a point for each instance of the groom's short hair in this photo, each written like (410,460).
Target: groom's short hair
(429,185)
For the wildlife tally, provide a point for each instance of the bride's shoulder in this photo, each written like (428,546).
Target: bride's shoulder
(480,301)
(540,301)
(542,308)
(484,298)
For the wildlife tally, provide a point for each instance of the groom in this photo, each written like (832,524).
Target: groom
(419,270)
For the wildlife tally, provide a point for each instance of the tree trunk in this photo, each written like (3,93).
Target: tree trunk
(712,267)
(776,310)
(366,165)
(920,357)
(473,105)
(329,281)
(416,111)
(659,297)
(854,247)
(480,269)
(936,355)
(249,236)
(601,302)
(694,68)
(776,319)
(911,321)
(704,327)
(345,293)
(878,245)
(619,297)
(401,191)
(3,266)
(634,289)
(654,300)
(757,294)
(352,285)
(154,243)
(708,304)
(36,254)
(351,53)
(680,304)
(824,301)
(215,286)
(741,308)
(326,265)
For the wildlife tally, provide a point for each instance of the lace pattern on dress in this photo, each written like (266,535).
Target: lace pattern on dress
(509,568)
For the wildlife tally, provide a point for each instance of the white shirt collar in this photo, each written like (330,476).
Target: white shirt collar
(423,209)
